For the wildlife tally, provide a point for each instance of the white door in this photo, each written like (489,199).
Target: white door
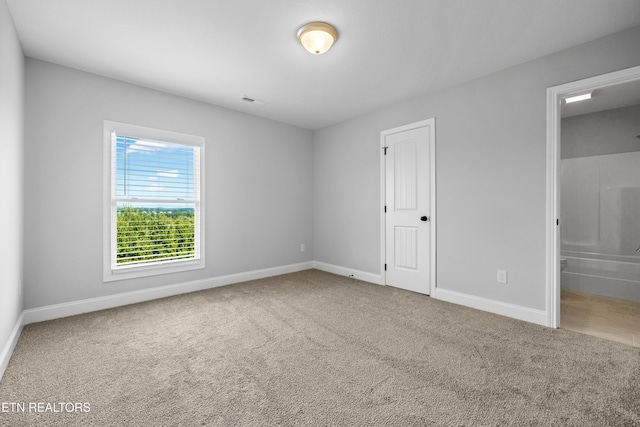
(408,208)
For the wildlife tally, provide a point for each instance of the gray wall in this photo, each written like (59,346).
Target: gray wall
(605,132)
(258,183)
(11,172)
(491,174)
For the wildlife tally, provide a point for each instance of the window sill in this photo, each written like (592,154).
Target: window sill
(111,275)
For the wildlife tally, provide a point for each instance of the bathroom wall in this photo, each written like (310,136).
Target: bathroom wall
(605,132)
(601,183)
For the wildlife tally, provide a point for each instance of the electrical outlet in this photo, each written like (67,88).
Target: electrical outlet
(502,276)
(302,248)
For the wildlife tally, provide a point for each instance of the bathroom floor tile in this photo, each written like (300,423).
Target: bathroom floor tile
(604,317)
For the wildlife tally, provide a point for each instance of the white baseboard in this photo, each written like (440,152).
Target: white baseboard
(349,272)
(73,308)
(7,351)
(505,309)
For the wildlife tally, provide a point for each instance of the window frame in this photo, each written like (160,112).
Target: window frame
(109,203)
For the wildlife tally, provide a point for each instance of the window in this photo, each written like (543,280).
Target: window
(153,207)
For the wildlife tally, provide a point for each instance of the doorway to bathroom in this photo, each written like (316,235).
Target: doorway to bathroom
(596,238)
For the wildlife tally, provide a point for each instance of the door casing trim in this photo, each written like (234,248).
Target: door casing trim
(555,95)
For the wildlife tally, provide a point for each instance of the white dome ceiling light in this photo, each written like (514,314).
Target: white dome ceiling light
(317,37)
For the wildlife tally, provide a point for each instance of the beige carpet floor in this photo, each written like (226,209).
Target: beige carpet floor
(312,348)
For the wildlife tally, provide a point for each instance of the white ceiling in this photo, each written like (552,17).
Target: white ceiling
(388,50)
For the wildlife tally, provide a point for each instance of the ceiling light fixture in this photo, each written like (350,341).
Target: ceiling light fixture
(577,98)
(317,37)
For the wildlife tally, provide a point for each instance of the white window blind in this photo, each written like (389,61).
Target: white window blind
(155,201)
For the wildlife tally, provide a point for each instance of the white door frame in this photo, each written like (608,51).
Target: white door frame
(431,124)
(555,95)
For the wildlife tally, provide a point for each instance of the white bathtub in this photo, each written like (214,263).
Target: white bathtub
(607,275)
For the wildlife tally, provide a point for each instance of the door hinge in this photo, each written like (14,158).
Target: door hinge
(385,150)
(385,267)
(557,221)
(385,208)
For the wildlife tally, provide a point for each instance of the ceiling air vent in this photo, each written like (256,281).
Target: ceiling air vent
(251,100)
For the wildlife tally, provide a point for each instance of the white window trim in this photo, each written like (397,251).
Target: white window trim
(131,272)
